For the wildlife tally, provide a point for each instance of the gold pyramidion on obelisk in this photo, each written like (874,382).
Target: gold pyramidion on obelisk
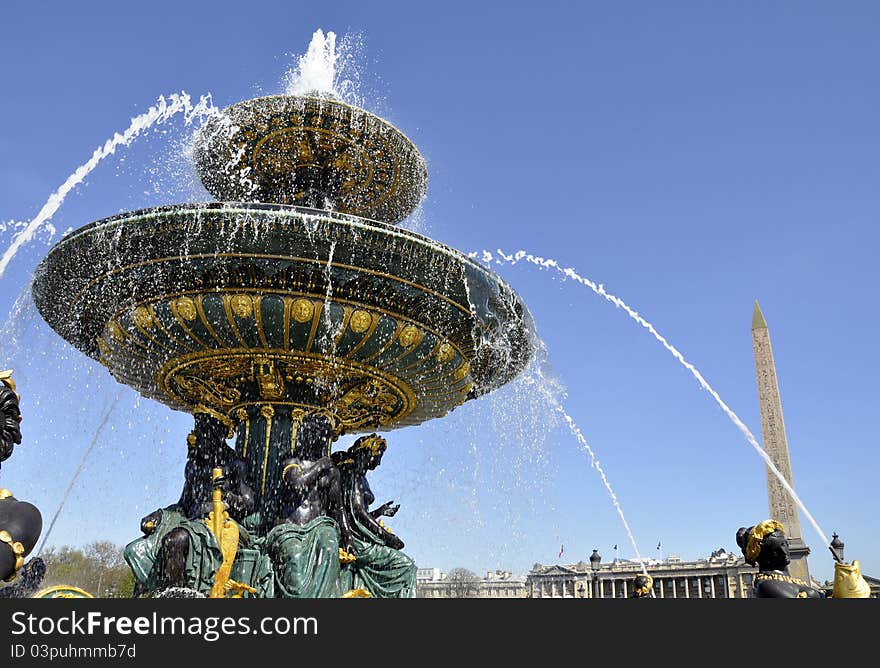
(782,505)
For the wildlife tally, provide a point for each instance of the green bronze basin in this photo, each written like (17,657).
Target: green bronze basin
(233,306)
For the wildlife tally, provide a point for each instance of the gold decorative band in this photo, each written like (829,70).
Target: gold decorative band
(17,550)
(290,466)
(5,493)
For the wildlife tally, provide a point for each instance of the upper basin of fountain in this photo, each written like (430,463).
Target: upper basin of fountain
(311,150)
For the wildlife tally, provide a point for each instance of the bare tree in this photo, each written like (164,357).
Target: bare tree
(462,583)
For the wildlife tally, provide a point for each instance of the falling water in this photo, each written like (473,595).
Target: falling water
(488,257)
(328,334)
(19,316)
(539,380)
(79,469)
(159,113)
(542,387)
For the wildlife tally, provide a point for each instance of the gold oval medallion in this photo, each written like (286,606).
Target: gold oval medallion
(186,307)
(142,317)
(445,353)
(410,336)
(242,305)
(303,310)
(361,321)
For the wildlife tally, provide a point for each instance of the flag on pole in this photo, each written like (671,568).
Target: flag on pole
(561,550)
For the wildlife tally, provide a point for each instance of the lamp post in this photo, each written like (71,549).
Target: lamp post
(595,560)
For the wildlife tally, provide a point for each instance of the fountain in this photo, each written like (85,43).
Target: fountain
(292,301)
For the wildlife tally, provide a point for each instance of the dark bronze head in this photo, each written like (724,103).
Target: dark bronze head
(765,544)
(315,434)
(367,451)
(10,430)
(641,586)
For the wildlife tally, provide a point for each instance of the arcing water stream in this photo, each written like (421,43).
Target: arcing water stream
(164,109)
(499,257)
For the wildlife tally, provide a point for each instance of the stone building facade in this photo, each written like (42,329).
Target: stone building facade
(433,583)
(721,575)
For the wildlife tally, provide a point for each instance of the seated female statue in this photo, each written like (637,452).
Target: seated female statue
(381,568)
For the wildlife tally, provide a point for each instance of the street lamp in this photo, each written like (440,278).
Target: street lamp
(595,560)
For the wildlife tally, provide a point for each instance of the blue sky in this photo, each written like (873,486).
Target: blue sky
(689,156)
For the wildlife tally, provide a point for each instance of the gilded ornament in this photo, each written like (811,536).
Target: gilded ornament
(360,592)
(375,444)
(205,391)
(360,321)
(241,414)
(227,534)
(269,378)
(303,310)
(186,307)
(5,493)
(462,371)
(242,305)
(410,336)
(292,465)
(756,535)
(267,411)
(143,318)
(346,557)
(117,334)
(62,591)
(445,353)
(6,379)
(17,550)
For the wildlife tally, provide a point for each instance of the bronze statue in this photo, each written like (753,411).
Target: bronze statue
(10,430)
(641,586)
(766,545)
(381,568)
(164,557)
(20,522)
(208,450)
(312,533)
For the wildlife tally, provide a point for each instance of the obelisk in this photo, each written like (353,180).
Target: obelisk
(782,505)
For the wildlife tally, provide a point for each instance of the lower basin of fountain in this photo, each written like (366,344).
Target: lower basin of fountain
(234,305)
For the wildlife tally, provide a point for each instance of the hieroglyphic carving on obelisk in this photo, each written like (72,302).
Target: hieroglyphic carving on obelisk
(782,506)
